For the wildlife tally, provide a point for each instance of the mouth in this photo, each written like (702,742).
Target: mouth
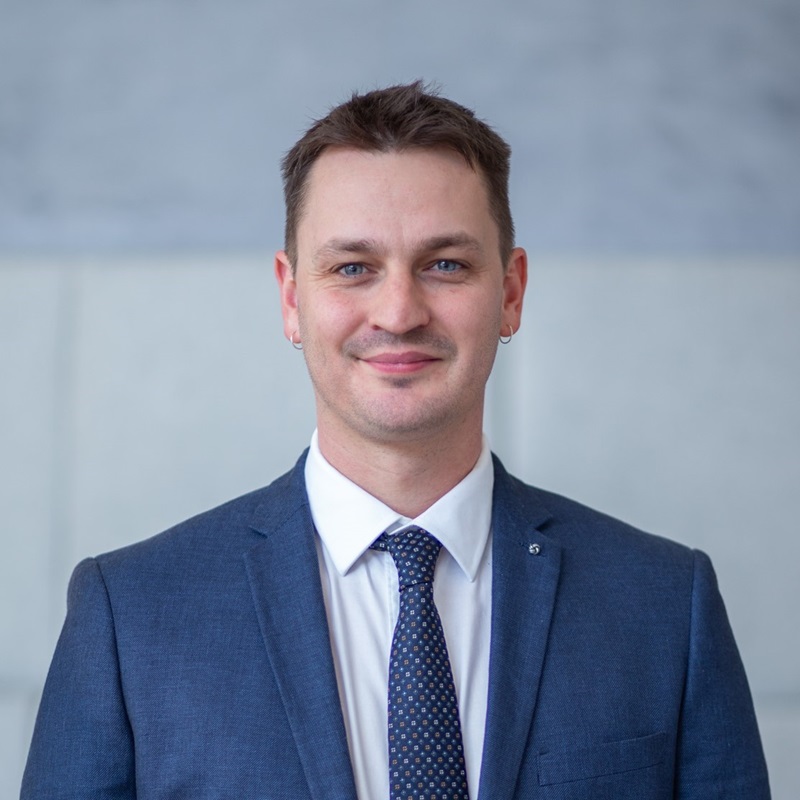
(400,363)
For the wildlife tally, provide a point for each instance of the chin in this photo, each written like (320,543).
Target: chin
(411,423)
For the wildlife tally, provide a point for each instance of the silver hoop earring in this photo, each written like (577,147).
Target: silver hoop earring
(507,339)
(297,345)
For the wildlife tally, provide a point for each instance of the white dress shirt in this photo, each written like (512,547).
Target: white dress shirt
(361,599)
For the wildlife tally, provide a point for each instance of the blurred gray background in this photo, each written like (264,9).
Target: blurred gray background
(656,185)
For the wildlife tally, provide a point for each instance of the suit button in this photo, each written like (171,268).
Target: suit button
(534,549)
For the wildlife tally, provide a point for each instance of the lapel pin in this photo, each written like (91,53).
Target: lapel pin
(534,549)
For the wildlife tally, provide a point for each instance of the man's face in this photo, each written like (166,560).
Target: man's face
(398,294)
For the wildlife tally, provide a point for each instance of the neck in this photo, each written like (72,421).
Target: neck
(408,476)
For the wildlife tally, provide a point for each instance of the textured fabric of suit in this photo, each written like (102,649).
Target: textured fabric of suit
(197,664)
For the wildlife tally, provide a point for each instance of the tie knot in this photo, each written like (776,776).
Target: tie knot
(414,552)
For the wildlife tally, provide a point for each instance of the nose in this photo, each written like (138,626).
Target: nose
(400,304)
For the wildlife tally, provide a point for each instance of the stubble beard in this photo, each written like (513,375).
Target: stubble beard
(391,418)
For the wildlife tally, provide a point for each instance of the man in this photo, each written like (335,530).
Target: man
(297,643)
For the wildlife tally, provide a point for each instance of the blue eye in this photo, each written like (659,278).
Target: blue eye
(352,270)
(445,265)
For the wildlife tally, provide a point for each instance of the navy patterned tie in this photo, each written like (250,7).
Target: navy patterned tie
(426,754)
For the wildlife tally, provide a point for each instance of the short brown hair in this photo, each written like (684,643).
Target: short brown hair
(398,118)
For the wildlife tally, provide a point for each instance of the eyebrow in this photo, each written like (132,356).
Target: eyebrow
(338,247)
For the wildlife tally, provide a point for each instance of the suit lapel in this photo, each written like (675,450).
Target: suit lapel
(284,578)
(524,582)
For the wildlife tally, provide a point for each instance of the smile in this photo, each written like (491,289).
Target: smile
(400,363)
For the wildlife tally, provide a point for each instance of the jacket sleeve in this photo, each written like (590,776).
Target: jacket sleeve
(719,748)
(82,743)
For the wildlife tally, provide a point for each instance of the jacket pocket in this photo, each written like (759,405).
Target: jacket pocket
(610,758)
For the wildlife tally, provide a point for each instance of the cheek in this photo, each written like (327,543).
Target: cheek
(480,319)
(481,328)
(326,317)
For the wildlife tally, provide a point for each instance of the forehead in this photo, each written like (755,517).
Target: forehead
(394,196)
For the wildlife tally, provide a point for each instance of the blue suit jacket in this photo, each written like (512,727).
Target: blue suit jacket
(197,664)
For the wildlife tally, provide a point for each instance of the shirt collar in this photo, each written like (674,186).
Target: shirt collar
(348,519)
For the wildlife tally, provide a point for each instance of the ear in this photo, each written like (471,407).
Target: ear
(288,291)
(514,282)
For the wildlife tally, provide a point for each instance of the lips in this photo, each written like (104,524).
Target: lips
(405,362)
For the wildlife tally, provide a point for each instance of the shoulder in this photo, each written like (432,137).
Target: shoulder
(586,534)
(610,574)
(220,533)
